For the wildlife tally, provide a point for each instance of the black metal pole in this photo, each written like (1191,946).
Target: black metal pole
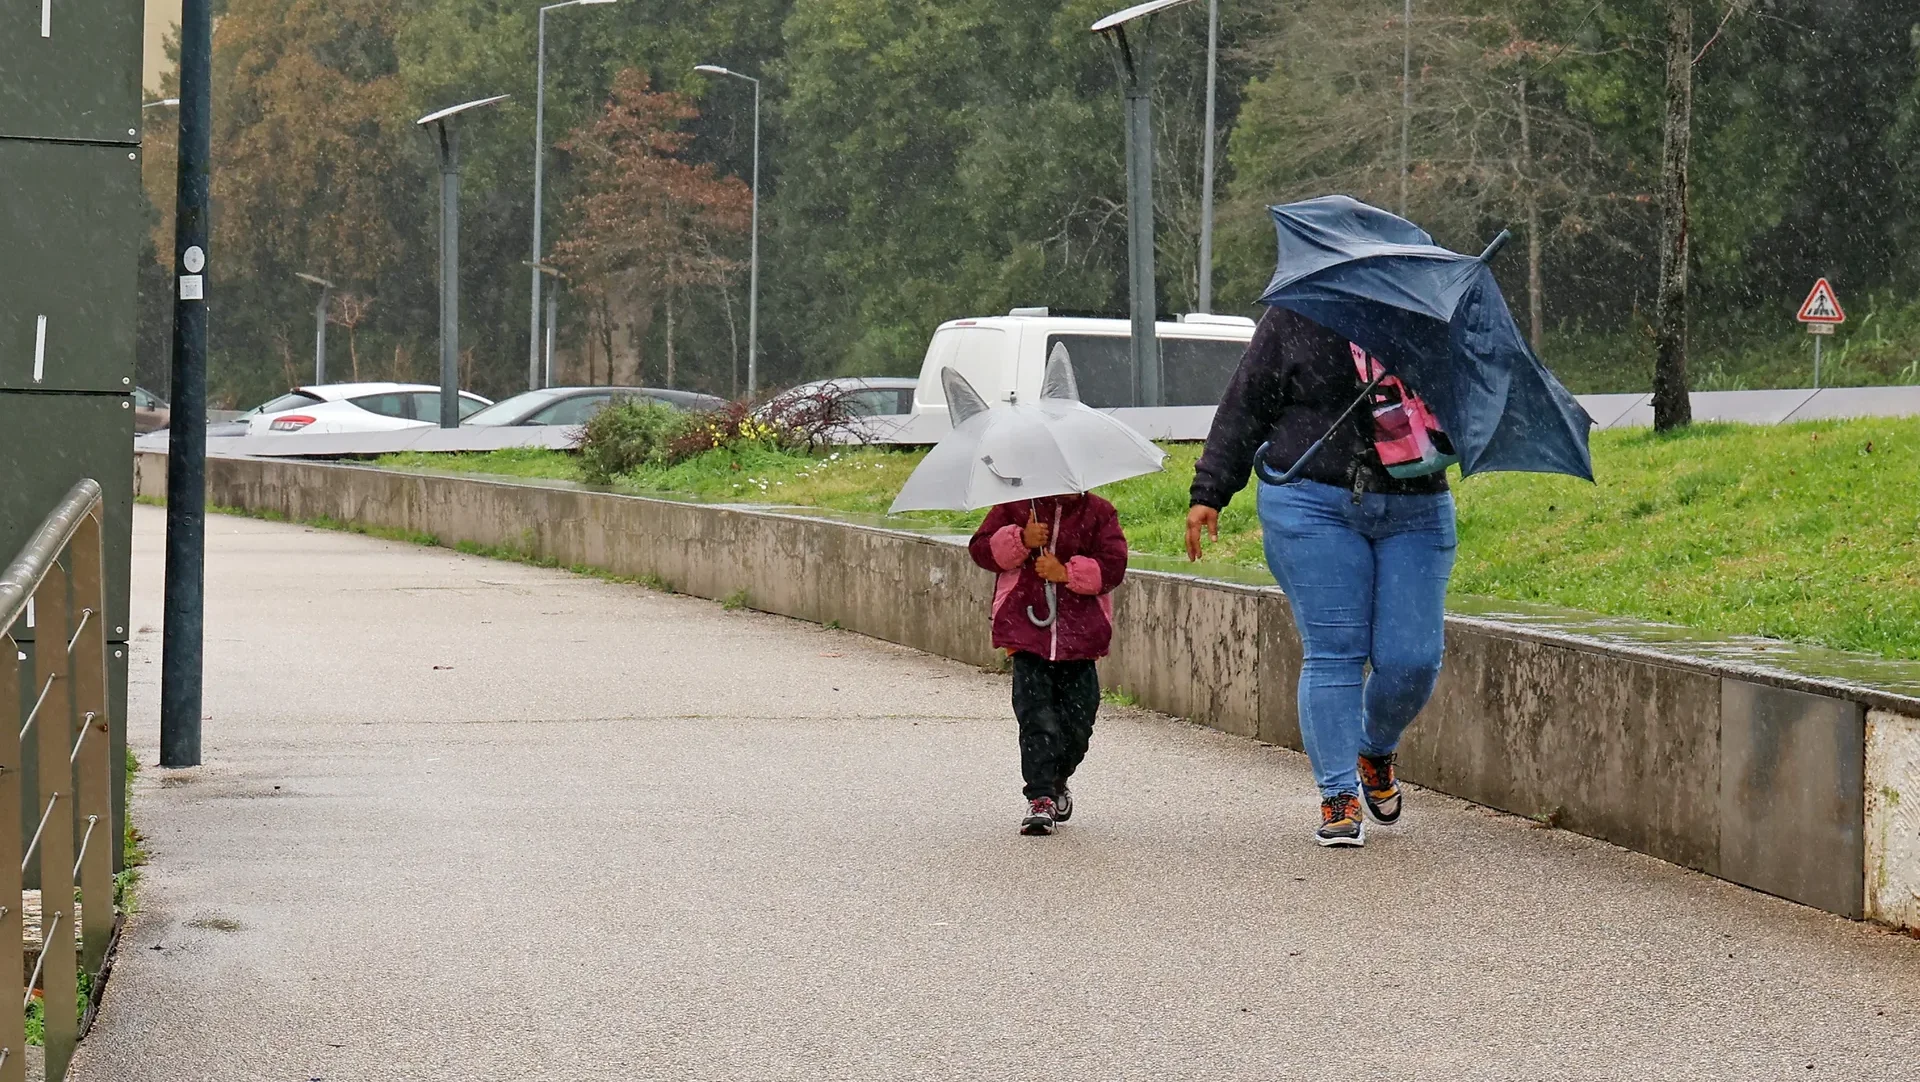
(180,651)
(449,275)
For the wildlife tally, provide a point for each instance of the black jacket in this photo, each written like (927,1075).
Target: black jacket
(1293,381)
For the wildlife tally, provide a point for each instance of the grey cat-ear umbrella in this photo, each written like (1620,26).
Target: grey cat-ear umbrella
(1024,451)
(1021,451)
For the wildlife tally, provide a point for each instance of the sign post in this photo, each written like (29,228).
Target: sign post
(1821,313)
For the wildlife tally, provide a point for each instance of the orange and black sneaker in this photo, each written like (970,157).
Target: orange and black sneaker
(1341,822)
(1380,788)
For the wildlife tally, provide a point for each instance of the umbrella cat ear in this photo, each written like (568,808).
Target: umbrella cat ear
(1059,381)
(962,400)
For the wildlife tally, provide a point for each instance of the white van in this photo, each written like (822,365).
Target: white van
(1004,358)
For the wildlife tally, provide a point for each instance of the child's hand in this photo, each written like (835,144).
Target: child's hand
(1035,534)
(1050,568)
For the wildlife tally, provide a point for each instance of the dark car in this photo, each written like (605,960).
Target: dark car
(574,405)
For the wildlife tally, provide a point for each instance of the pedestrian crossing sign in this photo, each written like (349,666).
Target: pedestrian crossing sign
(1821,306)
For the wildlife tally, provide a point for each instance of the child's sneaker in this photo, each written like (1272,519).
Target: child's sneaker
(1041,814)
(1062,804)
(1340,821)
(1379,788)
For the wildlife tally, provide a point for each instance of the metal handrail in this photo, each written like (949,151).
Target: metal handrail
(17,582)
(61,567)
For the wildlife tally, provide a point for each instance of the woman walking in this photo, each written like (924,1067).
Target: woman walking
(1363,555)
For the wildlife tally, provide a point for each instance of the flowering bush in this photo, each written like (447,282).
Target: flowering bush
(733,425)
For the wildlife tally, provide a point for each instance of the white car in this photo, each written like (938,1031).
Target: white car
(355,407)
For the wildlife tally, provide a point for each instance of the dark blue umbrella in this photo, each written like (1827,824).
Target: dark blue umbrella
(1436,319)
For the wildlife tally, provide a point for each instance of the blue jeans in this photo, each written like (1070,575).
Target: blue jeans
(1367,582)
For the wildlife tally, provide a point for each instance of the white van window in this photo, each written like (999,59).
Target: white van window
(978,353)
(1193,371)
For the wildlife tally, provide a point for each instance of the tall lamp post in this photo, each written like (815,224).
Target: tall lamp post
(553,311)
(319,325)
(753,257)
(539,176)
(1206,162)
(446,140)
(1133,59)
(156,104)
(184,605)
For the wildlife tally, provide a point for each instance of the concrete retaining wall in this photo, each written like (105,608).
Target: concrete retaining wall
(1798,793)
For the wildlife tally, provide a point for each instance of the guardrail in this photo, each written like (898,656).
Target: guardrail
(56,585)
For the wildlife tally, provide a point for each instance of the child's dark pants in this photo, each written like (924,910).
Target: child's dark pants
(1054,702)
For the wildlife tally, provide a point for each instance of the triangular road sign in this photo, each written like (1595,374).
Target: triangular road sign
(1821,306)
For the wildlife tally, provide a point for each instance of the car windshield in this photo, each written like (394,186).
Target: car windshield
(292,400)
(508,411)
(571,411)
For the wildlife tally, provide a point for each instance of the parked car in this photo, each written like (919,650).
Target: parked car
(863,396)
(1004,357)
(350,407)
(150,411)
(574,405)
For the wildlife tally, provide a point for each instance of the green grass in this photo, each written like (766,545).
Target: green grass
(1808,532)
(1879,345)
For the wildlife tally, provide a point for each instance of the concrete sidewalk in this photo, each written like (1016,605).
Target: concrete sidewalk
(473,820)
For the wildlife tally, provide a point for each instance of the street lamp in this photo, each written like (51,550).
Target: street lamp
(539,175)
(319,326)
(553,312)
(753,257)
(156,104)
(1206,162)
(446,139)
(1133,59)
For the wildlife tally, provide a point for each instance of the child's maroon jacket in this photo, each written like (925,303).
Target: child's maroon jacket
(1085,536)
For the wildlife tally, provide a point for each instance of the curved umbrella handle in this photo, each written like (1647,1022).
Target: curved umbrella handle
(1053,609)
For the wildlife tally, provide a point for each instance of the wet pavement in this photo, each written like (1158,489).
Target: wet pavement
(464,819)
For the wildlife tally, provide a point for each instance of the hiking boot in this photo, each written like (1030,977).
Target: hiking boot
(1379,788)
(1341,822)
(1062,803)
(1041,814)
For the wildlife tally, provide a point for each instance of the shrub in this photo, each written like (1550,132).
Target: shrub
(627,435)
(815,417)
(733,425)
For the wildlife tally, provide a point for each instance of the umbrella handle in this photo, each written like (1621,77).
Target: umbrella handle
(1053,609)
(1265,472)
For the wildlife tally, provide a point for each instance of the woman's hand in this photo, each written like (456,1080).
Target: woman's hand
(1035,533)
(1050,568)
(1201,516)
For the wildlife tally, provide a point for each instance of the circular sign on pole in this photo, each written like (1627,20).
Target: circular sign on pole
(194,259)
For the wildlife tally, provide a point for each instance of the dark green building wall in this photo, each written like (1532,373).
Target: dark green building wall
(70,222)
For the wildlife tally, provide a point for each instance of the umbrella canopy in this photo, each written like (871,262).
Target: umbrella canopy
(1024,451)
(1437,320)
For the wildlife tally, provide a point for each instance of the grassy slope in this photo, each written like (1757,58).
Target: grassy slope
(1808,532)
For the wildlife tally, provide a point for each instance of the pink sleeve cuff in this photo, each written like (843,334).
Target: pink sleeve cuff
(1083,575)
(1009,547)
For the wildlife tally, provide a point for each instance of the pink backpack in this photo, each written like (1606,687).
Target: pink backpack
(1410,441)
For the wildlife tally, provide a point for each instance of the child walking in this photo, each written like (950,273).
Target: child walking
(1058,555)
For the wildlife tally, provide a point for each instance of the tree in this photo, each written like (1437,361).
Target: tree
(1493,140)
(646,220)
(1672,407)
(350,310)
